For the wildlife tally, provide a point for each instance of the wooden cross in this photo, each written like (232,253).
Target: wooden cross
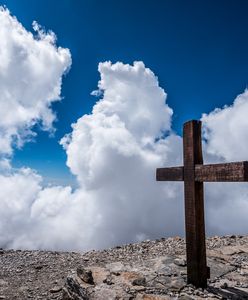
(194,173)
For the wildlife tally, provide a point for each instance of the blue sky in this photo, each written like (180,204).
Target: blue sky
(198,50)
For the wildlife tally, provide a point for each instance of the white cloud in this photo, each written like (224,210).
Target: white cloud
(114,153)
(31,69)
(226,135)
(226,130)
(126,121)
(18,192)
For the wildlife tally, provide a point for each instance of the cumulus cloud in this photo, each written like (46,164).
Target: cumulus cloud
(114,153)
(226,130)
(31,69)
(126,122)
(226,139)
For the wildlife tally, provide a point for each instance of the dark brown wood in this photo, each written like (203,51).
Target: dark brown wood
(229,172)
(194,173)
(169,174)
(194,206)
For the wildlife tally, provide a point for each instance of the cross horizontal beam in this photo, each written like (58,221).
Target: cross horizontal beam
(226,172)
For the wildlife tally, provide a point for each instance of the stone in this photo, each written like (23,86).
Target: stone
(216,254)
(38,267)
(56,289)
(224,285)
(231,250)
(139,281)
(218,269)
(73,290)
(180,262)
(177,284)
(151,297)
(85,275)
(108,280)
(3,282)
(185,297)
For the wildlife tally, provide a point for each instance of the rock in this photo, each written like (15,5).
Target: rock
(177,285)
(180,262)
(218,269)
(55,289)
(151,297)
(108,280)
(185,297)
(139,288)
(85,275)
(73,290)
(139,281)
(3,283)
(231,250)
(224,285)
(38,267)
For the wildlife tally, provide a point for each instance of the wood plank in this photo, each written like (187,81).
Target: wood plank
(194,206)
(227,172)
(169,174)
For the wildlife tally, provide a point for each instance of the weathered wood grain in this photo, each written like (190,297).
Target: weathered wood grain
(169,174)
(194,206)
(227,172)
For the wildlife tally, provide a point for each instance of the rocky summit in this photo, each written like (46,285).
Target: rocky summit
(150,270)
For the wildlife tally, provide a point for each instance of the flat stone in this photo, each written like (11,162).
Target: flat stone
(55,289)
(231,250)
(185,297)
(152,297)
(100,274)
(180,262)
(139,288)
(177,285)
(218,269)
(217,254)
(237,278)
(115,267)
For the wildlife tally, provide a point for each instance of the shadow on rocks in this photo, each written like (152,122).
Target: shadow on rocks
(229,293)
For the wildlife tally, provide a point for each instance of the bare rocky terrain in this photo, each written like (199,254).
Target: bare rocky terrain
(150,270)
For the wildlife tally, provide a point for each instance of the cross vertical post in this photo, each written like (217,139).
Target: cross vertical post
(194,206)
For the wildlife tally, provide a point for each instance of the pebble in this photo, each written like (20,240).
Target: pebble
(55,289)
(139,281)
(180,262)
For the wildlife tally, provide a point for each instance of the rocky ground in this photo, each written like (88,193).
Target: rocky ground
(150,270)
